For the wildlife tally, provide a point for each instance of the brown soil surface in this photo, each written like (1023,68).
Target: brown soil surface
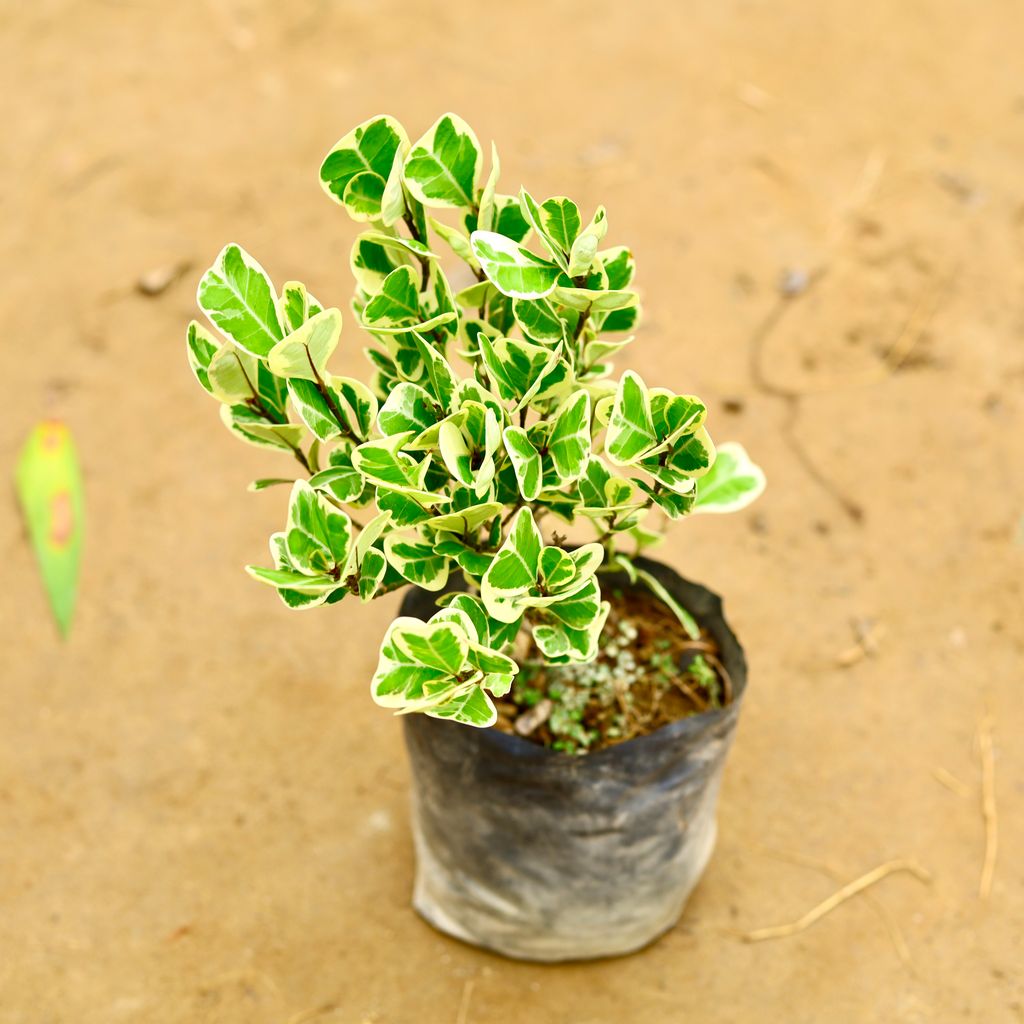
(203,818)
(666,686)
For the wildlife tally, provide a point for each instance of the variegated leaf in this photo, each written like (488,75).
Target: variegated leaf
(513,270)
(442,167)
(238,297)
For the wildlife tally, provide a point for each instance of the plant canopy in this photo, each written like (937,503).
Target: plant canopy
(491,406)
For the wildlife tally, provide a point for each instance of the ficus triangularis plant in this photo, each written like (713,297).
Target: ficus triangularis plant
(490,407)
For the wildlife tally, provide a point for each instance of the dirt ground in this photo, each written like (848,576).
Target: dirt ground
(202,815)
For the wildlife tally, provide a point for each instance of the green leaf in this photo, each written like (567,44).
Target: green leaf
(442,167)
(686,620)
(456,241)
(596,301)
(296,305)
(384,464)
(514,568)
(304,352)
(556,221)
(315,527)
(49,488)
(513,270)
(473,707)
(253,428)
(569,443)
(343,483)
(488,206)
(630,432)
(518,369)
(465,521)
(560,643)
(201,347)
(439,645)
(417,561)
(408,408)
(526,462)
(371,261)
(538,319)
(732,483)
(237,296)
(314,410)
(584,246)
(369,148)
(232,374)
(371,574)
(618,265)
(363,195)
(398,302)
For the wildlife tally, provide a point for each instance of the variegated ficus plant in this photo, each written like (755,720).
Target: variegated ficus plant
(491,407)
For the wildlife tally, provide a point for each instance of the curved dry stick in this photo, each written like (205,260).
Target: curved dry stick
(847,892)
(988,806)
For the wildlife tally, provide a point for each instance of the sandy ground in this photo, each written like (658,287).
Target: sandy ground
(202,816)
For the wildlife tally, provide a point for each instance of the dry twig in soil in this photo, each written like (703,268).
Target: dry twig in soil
(989,812)
(847,892)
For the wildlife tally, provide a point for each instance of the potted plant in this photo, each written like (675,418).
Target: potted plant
(568,703)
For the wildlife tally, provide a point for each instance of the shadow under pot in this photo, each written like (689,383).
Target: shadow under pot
(542,855)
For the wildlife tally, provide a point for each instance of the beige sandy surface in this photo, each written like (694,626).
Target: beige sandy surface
(202,816)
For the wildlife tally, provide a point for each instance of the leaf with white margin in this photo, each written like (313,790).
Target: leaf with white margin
(526,462)
(441,167)
(344,484)
(357,403)
(384,464)
(732,483)
(253,428)
(569,442)
(586,299)
(468,611)
(237,296)
(408,408)
(468,441)
(201,347)
(690,457)
(362,196)
(296,305)
(371,261)
(561,644)
(372,570)
(456,241)
(417,561)
(232,374)
(674,504)
(304,352)
(618,265)
(630,433)
(514,366)
(513,270)
(466,520)
(584,246)
(556,222)
(369,148)
(397,304)
(488,207)
(514,569)
(440,379)
(316,529)
(472,707)
(393,201)
(538,319)
(579,610)
(313,409)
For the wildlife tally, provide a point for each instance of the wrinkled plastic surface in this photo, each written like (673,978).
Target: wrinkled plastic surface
(541,855)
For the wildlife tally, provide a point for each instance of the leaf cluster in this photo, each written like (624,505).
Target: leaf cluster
(493,320)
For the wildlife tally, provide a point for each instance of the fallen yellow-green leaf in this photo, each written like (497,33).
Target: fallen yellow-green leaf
(49,486)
